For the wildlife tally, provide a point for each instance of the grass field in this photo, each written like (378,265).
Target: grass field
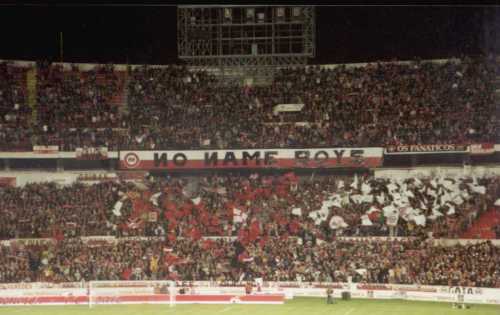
(297,306)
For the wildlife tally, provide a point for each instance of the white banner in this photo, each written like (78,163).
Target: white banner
(288,108)
(45,149)
(263,158)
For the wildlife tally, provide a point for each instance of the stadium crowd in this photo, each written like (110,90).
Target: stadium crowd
(373,105)
(249,207)
(76,107)
(378,104)
(15,111)
(280,227)
(224,260)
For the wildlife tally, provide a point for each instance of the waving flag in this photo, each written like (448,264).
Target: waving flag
(337,222)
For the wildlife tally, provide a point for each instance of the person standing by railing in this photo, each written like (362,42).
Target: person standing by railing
(329,296)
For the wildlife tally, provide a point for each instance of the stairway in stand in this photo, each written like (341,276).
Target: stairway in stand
(484,226)
(124,75)
(31,84)
(497,88)
(120,98)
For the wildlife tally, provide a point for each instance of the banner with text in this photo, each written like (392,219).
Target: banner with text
(262,158)
(45,149)
(91,153)
(426,149)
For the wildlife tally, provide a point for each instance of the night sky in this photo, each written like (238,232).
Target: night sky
(147,34)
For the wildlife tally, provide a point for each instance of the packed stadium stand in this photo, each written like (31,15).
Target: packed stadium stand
(250,207)
(275,260)
(368,105)
(299,222)
(15,111)
(215,154)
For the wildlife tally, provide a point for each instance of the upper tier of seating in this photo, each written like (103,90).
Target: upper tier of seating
(173,108)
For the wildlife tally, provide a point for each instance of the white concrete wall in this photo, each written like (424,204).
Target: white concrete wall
(425,171)
(62,178)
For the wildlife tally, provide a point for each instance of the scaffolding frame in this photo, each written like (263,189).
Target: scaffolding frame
(245,41)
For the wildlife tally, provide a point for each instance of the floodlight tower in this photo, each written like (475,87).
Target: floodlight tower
(245,41)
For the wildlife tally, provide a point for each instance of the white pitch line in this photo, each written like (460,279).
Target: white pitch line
(18,310)
(327,310)
(349,311)
(170,309)
(226,309)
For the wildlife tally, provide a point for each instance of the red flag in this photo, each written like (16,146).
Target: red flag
(195,234)
(263,241)
(254,230)
(126,274)
(208,244)
(243,236)
(291,177)
(58,235)
(171,237)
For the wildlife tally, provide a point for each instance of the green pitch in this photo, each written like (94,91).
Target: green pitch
(297,306)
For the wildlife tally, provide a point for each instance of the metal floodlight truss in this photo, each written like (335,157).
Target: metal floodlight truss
(251,38)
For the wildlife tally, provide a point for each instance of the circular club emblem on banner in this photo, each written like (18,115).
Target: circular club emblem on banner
(131,160)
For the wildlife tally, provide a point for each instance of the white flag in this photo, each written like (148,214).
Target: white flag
(391,215)
(365,189)
(336,202)
(242,277)
(458,200)
(354,184)
(436,212)
(419,219)
(357,198)
(381,199)
(433,183)
(196,200)
(392,187)
(367,198)
(432,193)
(340,184)
(417,182)
(259,281)
(117,208)
(297,211)
(337,222)
(451,210)
(478,189)
(239,216)
(154,198)
(365,220)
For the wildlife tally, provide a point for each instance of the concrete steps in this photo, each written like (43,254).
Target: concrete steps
(31,88)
